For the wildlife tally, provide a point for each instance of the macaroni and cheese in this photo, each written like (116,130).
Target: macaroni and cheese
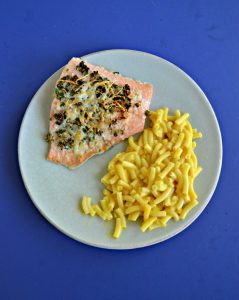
(153,180)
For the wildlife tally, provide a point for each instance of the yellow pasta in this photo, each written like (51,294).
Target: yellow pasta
(121,215)
(155,152)
(197,172)
(154,226)
(113,179)
(129,165)
(124,184)
(147,223)
(197,135)
(161,185)
(164,220)
(147,148)
(147,210)
(99,211)
(128,198)
(144,191)
(162,157)
(119,199)
(118,229)
(186,168)
(171,212)
(144,163)
(182,119)
(155,212)
(133,174)
(164,195)
(153,180)
(140,200)
(152,174)
(145,137)
(167,202)
(137,160)
(133,216)
(187,208)
(180,204)
(179,141)
(111,205)
(121,172)
(85,206)
(132,209)
(166,170)
(132,144)
(150,138)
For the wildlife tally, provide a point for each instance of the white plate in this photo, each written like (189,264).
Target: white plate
(56,191)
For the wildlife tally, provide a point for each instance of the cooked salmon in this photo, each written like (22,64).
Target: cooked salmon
(93,109)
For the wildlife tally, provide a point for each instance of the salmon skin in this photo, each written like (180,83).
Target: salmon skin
(93,109)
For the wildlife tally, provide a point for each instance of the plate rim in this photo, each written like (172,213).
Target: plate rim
(142,244)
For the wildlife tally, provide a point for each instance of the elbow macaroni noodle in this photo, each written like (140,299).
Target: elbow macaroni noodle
(153,180)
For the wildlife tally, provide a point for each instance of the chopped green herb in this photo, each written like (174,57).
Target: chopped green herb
(78,104)
(127,105)
(60,131)
(60,117)
(82,67)
(49,138)
(77,121)
(59,94)
(85,129)
(112,98)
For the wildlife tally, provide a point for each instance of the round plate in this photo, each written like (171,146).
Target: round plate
(56,191)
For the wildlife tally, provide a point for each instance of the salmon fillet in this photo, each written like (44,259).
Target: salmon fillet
(92,110)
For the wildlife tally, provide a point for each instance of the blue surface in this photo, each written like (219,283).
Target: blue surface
(39,262)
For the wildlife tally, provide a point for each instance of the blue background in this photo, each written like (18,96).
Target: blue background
(39,262)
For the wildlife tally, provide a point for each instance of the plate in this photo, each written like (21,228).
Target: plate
(56,191)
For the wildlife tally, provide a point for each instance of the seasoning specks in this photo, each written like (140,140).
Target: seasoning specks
(89,105)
